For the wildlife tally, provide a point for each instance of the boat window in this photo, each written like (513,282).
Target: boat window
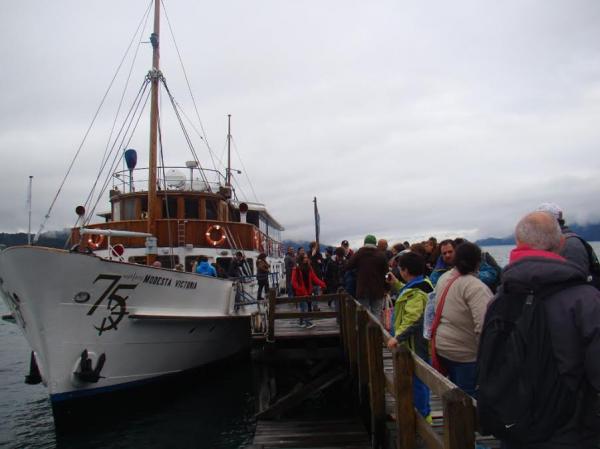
(168,261)
(169,207)
(234,215)
(211,210)
(128,209)
(165,261)
(137,259)
(144,207)
(263,225)
(252,217)
(250,263)
(191,260)
(191,208)
(223,264)
(117,210)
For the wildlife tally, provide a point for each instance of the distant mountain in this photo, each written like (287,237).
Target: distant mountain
(52,239)
(589,232)
(303,243)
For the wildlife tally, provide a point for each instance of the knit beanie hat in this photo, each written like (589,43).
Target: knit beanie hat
(370,240)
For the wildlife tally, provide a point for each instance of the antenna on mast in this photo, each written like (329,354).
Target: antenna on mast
(29,192)
(228,172)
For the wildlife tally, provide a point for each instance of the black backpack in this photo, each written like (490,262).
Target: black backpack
(521,395)
(594,264)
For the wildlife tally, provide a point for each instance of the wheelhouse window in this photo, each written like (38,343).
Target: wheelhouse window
(191,208)
(211,210)
(169,207)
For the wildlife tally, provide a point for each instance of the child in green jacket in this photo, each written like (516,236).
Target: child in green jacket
(408,317)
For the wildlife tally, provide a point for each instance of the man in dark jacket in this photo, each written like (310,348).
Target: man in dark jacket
(572,249)
(289,262)
(573,319)
(371,267)
(236,267)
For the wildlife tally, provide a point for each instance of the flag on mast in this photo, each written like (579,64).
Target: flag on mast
(317,221)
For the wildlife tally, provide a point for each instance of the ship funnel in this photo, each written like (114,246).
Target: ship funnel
(131,161)
(131,158)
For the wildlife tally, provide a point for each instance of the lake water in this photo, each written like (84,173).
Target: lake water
(214,412)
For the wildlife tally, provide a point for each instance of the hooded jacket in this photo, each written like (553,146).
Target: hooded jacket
(371,267)
(408,315)
(573,317)
(300,289)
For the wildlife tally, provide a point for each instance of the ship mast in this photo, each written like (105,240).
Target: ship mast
(155,76)
(228,173)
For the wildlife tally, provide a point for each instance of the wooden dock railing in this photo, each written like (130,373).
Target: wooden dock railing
(363,339)
(275,301)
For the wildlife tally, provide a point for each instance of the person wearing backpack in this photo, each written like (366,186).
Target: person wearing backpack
(538,366)
(575,248)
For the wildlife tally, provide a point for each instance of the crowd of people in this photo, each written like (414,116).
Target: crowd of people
(488,329)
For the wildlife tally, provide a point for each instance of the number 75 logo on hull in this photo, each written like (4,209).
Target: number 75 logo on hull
(116,306)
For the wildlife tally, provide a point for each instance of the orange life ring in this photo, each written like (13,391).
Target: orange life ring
(94,241)
(215,235)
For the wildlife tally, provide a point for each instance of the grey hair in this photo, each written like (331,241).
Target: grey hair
(540,230)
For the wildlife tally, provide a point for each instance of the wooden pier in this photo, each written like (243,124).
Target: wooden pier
(346,350)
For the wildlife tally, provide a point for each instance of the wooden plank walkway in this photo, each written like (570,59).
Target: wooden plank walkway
(347,433)
(284,314)
(287,328)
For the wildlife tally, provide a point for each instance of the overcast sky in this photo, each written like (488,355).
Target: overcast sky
(406,119)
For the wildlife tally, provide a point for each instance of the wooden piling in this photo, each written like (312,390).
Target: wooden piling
(351,332)
(362,320)
(403,394)
(272,295)
(459,419)
(376,384)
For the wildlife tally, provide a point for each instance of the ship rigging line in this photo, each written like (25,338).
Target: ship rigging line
(244,169)
(205,138)
(114,149)
(137,48)
(186,135)
(135,114)
(87,132)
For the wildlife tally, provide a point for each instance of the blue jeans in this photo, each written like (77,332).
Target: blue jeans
(462,374)
(304,307)
(421,397)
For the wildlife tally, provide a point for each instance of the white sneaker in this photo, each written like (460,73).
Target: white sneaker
(310,325)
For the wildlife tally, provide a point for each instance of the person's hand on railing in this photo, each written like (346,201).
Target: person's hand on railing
(392,343)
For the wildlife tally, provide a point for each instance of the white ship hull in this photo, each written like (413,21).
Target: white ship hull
(148,322)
